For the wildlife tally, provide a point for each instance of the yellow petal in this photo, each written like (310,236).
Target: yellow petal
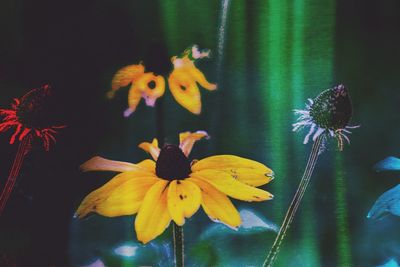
(199,77)
(253,177)
(148,165)
(125,76)
(185,91)
(187,140)
(217,205)
(134,97)
(225,183)
(126,198)
(184,198)
(223,162)
(151,148)
(100,195)
(101,164)
(153,216)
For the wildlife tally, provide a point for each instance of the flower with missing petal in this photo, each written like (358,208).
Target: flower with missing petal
(29,115)
(182,82)
(144,85)
(184,78)
(328,114)
(173,188)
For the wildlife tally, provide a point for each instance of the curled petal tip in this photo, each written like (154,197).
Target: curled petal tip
(271,176)
(128,112)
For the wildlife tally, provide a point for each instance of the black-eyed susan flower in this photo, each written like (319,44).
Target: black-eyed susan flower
(173,188)
(144,85)
(182,82)
(184,78)
(328,114)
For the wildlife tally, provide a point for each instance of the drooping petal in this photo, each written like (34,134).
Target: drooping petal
(223,162)
(187,140)
(94,200)
(184,198)
(125,76)
(101,164)
(151,148)
(199,77)
(185,91)
(134,97)
(225,183)
(123,200)
(217,205)
(153,216)
(148,164)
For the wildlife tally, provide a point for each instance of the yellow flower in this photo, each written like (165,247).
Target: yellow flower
(145,85)
(173,188)
(182,82)
(184,78)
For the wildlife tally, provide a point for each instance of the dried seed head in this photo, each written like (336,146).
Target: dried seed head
(34,110)
(172,164)
(332,109)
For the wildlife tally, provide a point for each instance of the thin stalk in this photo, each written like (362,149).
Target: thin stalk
(23,149)
(312,160)
(177,230)
(160,132)
(178,245)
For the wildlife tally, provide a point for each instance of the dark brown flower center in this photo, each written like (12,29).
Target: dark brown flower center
(332,109)
(172,164)
(34,110)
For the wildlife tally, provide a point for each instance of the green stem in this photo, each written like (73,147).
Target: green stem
(178,245)
(312,160)
(177,230)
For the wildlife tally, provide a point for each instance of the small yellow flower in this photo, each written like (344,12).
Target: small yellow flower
(145,85)
(182,82)
(173,188)
(184,78)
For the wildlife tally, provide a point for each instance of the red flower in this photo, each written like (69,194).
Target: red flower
(28,116)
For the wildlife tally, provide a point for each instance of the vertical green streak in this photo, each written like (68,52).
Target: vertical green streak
(308,241)
(273,66)
(343,235)
(273,69)
(170,22)
(235,69)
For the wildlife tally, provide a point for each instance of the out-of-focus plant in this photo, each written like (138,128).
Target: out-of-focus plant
(327,116)
(182,82)
(388,202)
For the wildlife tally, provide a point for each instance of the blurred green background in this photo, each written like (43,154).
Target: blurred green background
(268,57)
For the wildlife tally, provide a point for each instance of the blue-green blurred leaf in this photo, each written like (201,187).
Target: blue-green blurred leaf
(388,202)
(390,263)
(251,224)
(388,164)
(222,246)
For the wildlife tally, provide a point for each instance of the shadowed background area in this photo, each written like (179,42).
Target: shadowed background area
(270,57)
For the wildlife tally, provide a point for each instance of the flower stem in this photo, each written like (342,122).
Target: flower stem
(178,245)
(312,160)
(177,230)
(23,149)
